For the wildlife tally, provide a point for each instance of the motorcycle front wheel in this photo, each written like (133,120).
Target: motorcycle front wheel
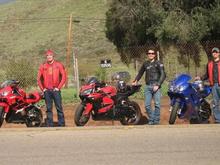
(80,119)
(173,113)
(134,115)
(2,112)
(34,117)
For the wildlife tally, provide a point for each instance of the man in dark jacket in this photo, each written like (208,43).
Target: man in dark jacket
(154,77)
(213,74)
(51,77)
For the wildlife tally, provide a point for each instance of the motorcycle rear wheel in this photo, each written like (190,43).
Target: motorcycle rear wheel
(205,111)
(37,120)
(173,113)
(2,112)
(79,118)
(133,119)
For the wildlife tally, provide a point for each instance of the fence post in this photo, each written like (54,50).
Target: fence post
(76,71)
(158,55)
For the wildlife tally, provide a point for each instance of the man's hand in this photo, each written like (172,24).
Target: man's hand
(155,88)
(134,82)
(197,78)
(44,90)
(56,89)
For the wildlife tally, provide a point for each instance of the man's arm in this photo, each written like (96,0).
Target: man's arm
(162,74)
(63,76)
(140,73)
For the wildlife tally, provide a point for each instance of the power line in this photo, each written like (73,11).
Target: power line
(46,19)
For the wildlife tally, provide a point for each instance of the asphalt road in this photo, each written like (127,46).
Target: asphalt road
(147,145)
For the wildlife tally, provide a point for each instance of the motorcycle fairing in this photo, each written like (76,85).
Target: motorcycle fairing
(6,107)
(88,109)
(107,103)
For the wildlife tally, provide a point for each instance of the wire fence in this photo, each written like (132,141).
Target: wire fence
(182,58)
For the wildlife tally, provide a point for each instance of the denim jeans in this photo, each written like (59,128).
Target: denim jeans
(154,115)
(55,96)
(216,99)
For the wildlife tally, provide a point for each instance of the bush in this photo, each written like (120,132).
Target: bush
(101,74)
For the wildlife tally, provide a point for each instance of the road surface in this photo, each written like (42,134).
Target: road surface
(139,145)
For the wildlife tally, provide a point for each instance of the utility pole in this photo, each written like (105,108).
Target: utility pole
(69,47)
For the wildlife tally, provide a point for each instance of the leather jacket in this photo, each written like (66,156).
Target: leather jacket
(154,73)
(212,72)
(58,75)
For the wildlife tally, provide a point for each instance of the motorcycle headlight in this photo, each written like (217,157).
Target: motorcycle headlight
(171,87)
(181,88)
(174,88)
(5,93)
(87,91)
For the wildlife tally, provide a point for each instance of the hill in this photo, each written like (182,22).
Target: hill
(30,26)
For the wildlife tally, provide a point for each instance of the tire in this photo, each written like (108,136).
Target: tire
(2,113)
(36,119)
(173,113)
(79,118)
(205,111)
(133,118)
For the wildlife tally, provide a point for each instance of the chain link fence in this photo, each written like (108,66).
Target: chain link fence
(180,58)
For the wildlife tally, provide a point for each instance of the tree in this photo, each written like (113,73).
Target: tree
(131,23)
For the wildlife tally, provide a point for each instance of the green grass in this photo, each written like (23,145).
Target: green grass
(69,95)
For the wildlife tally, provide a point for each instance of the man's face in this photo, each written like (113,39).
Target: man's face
(151,54)
(215,54)
(50,58)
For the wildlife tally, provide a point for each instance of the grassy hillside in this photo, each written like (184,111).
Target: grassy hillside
(29,26)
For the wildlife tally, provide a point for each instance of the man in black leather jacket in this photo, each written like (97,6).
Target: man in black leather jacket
(154,77)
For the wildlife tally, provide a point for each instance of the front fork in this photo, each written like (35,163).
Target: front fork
(5,114)
(173,101)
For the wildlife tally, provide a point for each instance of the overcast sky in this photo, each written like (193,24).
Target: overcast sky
(5,1)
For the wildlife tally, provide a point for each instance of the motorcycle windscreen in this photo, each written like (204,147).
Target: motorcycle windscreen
(181,79)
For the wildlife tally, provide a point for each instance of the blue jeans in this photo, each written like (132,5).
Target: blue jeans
(216,99)
(154,115)
(55,96)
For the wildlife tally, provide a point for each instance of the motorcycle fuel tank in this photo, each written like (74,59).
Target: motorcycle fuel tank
(110,90)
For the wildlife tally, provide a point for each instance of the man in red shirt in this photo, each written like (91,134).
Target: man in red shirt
(51,77)
(213,75)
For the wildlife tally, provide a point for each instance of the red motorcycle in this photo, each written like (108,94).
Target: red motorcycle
(18,107)
(104,102)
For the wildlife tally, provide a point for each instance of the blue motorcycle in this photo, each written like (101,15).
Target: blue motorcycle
(187,100)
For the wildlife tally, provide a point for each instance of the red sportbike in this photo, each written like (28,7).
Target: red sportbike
(18,107)
(104,102)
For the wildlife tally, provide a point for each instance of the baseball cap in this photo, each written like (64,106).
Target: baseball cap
(49,52)
(215,49)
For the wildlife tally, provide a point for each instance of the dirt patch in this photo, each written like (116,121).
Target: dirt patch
(69,110)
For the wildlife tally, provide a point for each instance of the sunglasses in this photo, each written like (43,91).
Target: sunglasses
(150,53)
